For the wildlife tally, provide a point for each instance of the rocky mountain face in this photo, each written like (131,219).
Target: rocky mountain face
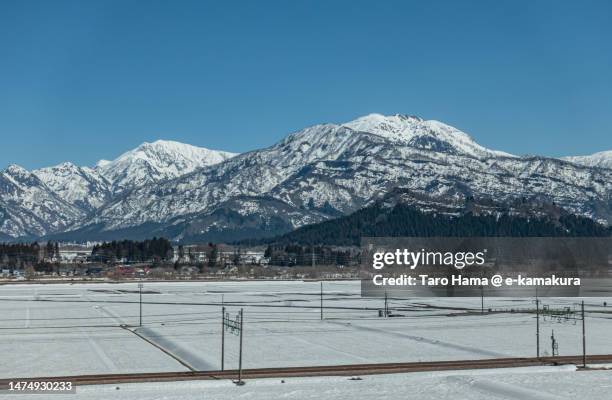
(83,187)
(28,208)
(312,175)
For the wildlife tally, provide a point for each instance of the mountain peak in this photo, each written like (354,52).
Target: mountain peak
(384,117)
(161,144)
(157,161)
(379,123)
(408,117)
(102,163)
(424,134)
(66,165)
(174,147)
(20,176)
(15,169)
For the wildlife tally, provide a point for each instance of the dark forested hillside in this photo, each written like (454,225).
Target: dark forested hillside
(406,220)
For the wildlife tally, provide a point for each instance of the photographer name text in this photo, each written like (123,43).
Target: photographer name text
(459,280)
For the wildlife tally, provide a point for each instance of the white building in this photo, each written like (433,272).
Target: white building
(73,253)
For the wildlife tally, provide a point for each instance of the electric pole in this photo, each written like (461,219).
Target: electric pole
(481,299)
(140,303)
(313,257)
(386,305)
(321,300)
(240,357)
(583,338)
(538,328)
(235,326)
(222,338)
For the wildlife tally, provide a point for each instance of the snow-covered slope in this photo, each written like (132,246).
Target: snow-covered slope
(603,159)
(430,135)
(157,161)
(80,186)
(29,208)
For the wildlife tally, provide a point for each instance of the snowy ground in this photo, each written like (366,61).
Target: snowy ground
(62,329)
(534,383)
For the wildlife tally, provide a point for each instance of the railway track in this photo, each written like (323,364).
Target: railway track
(328,370)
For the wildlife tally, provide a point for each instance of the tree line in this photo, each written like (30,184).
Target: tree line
(297,255)
(23,255)
(156,249)
(15,255)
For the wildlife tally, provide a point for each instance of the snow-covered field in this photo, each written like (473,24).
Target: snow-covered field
(62,329)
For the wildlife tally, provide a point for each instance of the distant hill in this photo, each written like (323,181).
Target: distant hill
(403,213)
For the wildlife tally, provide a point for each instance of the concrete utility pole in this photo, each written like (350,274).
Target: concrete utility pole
(240,357)
(583,337)
(481,299)
(386,305)
(538,328)
(321,300)
(222,338)
(140,302)
(313,257)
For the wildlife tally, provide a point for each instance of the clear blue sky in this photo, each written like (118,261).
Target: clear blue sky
(86,80)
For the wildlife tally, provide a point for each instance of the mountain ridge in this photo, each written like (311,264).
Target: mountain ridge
(602,159)
(313,174)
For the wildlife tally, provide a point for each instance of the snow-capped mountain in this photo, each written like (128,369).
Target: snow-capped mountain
(414,131)
(314,174)
(83,187)
(603,159)
(157,161)
(29,209)
(330,169)
(49,200)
